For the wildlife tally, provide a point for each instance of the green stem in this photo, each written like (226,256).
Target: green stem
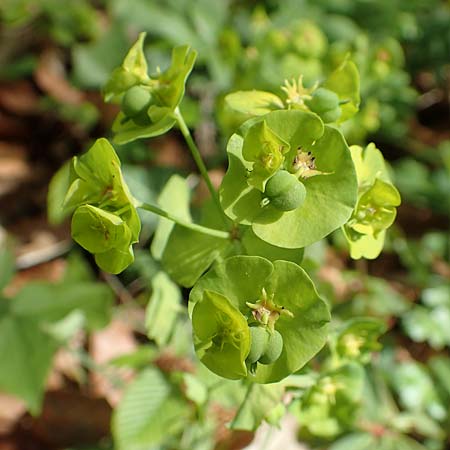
(250,386)
(183,222)
(199,161)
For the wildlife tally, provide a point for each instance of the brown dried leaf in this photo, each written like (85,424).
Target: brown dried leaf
(19,97)
(50,76)
(115,340)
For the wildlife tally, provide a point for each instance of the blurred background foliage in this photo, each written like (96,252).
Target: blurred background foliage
(71,339)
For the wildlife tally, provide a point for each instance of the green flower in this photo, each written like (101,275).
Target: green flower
(148,103)
(252,291)
(105,221)
(376,207)
(221,335)
(299,143)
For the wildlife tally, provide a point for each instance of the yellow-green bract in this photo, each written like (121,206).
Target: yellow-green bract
(240,280)
(221,335)
(105,221)
(376,207)
(330,196)
(166,90)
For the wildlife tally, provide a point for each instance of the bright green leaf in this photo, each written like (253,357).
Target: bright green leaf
(28,352)
(162,309)
(149,411)
(253,103)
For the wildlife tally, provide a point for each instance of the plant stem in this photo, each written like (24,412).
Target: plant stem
(250,386)
(182,222)
(199,161)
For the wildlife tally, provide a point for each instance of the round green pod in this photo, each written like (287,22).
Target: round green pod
(273,349)
(135,101)
(322,100)
(285,191)
(142,119)
(259,338)
(332,115)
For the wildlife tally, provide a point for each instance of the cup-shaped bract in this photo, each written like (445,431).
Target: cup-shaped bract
(131,72)
(246,279)
(105,220)
(97,230)
(376,207)
(221,335)
(166,90)
(321,159)
(266,151)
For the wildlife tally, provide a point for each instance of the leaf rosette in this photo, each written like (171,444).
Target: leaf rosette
(240,280)
(105,221)
(319,157)
(376,207)
(165,89)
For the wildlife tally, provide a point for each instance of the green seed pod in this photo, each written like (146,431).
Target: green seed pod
(273,349)
(136,101)
(322,100)
(142,119)
(332,115)
(285,191)
(259,340)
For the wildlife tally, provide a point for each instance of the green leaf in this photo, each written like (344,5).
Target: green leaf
(330,198)
(93,62)
(149,412)
(440,367)
(259,401)
(221,335)
(253,103)
(174,199)
(28,352)
(189,253)
(57,190)
(45,302)
(254,246)
(345,82)
(128,131)
(241,279)
(196,390)
(162,309)
(416,389)
(430,323)
(356,441)
(7,268)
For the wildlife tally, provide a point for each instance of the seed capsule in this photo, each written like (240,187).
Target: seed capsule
(136,101)
(285,191)
(273,349)
(259,340)
(325,103)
